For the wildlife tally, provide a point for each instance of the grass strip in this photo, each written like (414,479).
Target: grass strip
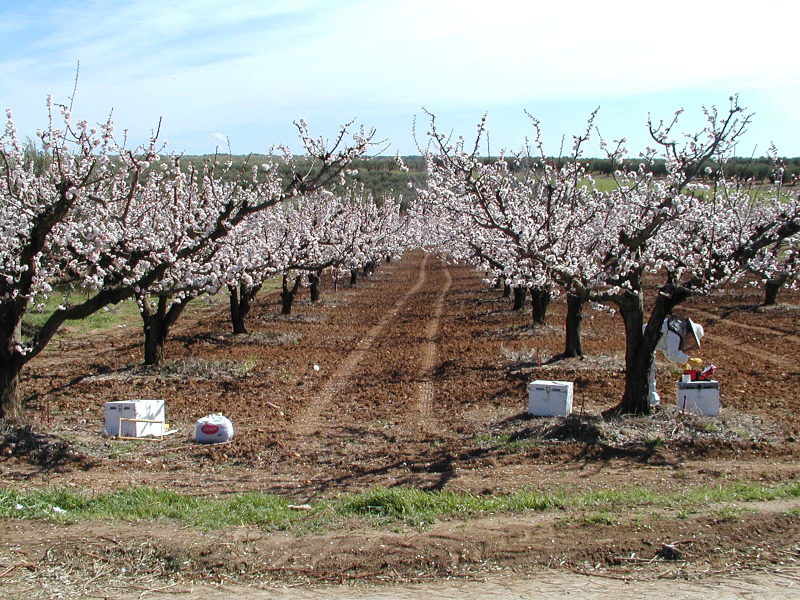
(124,313)
(378,506)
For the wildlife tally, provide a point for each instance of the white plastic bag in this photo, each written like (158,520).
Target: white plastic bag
(213,429)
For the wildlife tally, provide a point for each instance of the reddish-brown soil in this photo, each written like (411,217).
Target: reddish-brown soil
(416,376)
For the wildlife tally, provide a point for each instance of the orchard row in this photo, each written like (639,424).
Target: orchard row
(77,207)
(544,225)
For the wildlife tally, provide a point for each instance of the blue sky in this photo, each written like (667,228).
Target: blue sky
(245,70)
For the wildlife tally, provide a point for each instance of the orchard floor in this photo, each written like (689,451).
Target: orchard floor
(416,376)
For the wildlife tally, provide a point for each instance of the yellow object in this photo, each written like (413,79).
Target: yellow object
(693,364)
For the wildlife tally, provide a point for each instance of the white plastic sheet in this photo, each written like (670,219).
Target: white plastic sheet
(213,429)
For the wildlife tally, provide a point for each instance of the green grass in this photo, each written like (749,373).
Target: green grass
(599,518)
(743,492)
(124,313)
(247,364)
(727,513)
(504,442)
(377,507)
(628,497)
(149,504)
(605,184)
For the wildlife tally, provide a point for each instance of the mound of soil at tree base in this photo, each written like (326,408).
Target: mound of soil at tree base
(415,376)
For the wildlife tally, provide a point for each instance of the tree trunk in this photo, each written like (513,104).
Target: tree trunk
(573,343)
(771,291)
(157,325)
(637,361)
(540,300)
(238,308)
(313,284)
(520,292)
(506,291)
(640,344)
(353,277)
(241,299)
(288,294)
(10,401)
(154,339)
(11,362)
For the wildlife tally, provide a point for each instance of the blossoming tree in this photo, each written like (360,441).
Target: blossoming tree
(62,219)
(122,222)
(306,235)
(202,209)
(514,215)
(677,228)
(599,247)
(778,264)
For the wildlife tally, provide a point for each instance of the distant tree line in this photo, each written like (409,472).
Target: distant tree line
(381,176)
(757,169)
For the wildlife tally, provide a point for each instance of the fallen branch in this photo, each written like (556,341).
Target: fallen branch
(16,565)
(160,590)
(603,575)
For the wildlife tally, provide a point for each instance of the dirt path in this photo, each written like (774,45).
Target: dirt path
(547,585)
(385,388)
(307,420)
(754,352)
(429,352)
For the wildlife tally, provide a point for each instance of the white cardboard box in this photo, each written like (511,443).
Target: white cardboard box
(149,410)
(699,397)
(549,398)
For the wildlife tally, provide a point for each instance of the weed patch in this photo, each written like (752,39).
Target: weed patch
(379,506)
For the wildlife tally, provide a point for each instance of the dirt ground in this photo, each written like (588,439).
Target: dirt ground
(416,376)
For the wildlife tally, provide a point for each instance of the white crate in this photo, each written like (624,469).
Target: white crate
(699,397)
(549,398)
(147,410)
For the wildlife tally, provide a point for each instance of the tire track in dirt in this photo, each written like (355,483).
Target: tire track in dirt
(308,418)
(756,328)
(787,360)
(425,388)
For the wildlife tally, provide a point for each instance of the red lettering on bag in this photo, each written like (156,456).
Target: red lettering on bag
(209,429)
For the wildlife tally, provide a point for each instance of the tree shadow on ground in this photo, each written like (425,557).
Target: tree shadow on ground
(582,438)
(48,452)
